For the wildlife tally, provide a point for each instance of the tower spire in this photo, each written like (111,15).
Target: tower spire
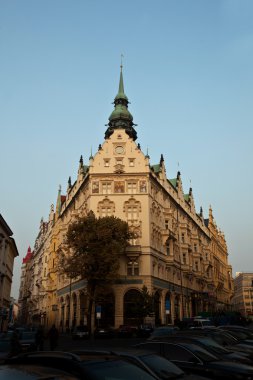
(120,117)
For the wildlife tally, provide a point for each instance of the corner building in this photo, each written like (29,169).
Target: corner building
(181,257)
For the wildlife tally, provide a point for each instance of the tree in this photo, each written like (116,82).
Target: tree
(92,251)
(144,306)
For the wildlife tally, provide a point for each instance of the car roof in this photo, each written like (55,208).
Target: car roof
(29,372)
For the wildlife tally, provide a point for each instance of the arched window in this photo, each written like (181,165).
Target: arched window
(106,208)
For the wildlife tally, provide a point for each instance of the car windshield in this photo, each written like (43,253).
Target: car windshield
(201,353)
(163,331)
(162,367)
(115,370)
(208,342)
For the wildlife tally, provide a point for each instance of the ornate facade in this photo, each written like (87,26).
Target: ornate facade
(243,295)
(8,252)
(178,255)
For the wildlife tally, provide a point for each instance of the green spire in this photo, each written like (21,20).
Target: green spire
(120,116)
(121,93)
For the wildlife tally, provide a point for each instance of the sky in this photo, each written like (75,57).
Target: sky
(188,74)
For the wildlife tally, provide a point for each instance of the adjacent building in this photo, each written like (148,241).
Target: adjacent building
(180,256)
(8,252)
(243,294)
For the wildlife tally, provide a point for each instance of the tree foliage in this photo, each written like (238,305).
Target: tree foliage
(92,249)
(144,306)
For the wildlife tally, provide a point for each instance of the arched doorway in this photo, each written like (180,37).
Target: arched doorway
(168,319)
(132,310)
(62,316)
(83,307)
(107,310)
(74,313)
(67,323)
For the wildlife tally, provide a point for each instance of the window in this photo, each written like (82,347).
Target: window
(132,268)
(132,187)
(196,266)
(184,258)
(105,211)
(195,247)
(106,208)
(182,238)
(132,212)
(168,250)
(106,187)
(166,224)
(107,162)
(119,161)
(131,162)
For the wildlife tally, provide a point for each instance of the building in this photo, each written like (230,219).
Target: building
(180,256)
(8,252)
(243,294)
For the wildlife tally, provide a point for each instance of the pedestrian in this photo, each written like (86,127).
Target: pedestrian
(39,339)
(53,336)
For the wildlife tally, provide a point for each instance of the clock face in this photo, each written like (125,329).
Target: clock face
(119,149)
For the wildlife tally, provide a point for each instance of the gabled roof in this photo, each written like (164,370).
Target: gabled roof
(187,197)
(156,168)
(173,182)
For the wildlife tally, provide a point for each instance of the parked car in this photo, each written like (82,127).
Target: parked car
(85,365)
(201,323)
(227,340)
(126,331)
(211,346)
(104,332)
(157,365)
(145,330)
(33,372)
(80,332)
(197,361)
(163,332)
(240,334)
(27,339)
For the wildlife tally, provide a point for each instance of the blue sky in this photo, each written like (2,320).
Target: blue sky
(188,75)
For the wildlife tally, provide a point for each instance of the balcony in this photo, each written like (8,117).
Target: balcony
(133,251)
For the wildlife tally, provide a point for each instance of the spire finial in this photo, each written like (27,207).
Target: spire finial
(91,156)
(121,61)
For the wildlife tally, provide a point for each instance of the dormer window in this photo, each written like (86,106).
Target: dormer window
(131,162)
(106,162)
